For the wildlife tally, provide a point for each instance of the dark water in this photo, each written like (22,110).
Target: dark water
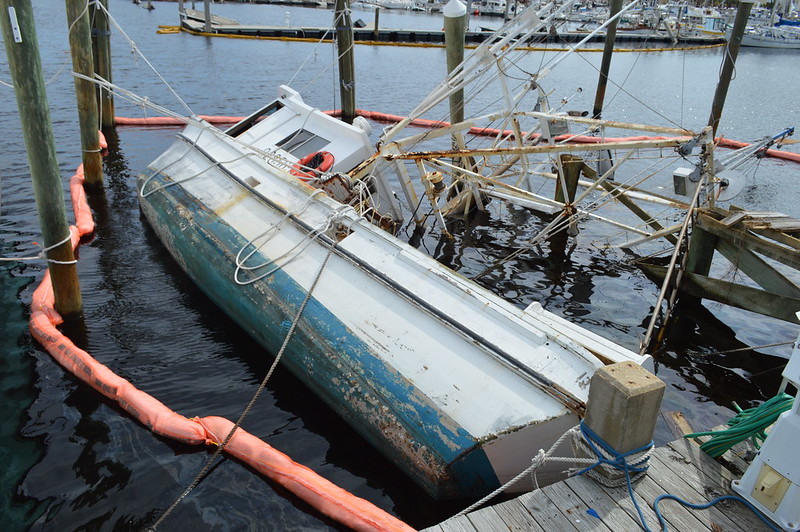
(74,461)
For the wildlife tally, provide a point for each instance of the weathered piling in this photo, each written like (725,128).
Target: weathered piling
(347,69)
(567,180)
(455,24)
(101,45)
(376,24)
(605,65)
(623,407)
(729,61)
(207,13)
(80,43)
(25,64)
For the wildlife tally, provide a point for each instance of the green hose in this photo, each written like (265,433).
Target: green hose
(750,423)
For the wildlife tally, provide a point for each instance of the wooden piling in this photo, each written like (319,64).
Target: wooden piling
(207,13)
(25,64)
(623,407)
(376,24)
(605,65)
(347,69)
(455,24)
(80,43)
(728,63)
(101,45)
(567,181)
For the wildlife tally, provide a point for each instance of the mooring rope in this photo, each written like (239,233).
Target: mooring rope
(256,395)
(42,255)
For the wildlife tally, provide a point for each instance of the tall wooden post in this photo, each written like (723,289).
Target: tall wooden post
(605,65)
(455,24)
(101,44)
(22,49)
(731,51)
(347,69)
(207,14)
(375,26)
(80,43)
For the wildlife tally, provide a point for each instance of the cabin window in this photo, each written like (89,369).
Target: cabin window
(302,142)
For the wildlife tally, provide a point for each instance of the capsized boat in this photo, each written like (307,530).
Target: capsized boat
(290,216)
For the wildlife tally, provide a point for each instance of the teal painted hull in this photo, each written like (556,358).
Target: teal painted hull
(372,397)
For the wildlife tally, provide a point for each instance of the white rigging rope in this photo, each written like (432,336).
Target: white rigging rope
(136,50)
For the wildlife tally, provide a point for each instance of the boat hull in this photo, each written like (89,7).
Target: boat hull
(455,386)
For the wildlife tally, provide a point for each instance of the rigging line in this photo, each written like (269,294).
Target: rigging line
(308,57)
(221,447)
(611,100)
(737,350)
(683,86)
(135,48)
(622,89)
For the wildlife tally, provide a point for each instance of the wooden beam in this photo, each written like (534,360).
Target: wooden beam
(554,148)
(778,236)
(735,295)
(744,238)
(758,270)
(701,251)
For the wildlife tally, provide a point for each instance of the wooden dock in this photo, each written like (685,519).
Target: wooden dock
(679,468)
(365,33)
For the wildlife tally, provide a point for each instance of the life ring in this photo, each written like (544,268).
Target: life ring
(312,165)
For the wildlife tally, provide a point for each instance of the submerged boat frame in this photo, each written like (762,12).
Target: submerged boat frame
(456,386)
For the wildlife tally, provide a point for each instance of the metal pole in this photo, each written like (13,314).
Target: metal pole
(347,69)
(22,49)
(80,43)
(101,41)
(455,23)
(605,65)
(731,51)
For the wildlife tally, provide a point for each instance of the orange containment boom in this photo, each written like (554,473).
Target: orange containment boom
(421,122)
(317,491)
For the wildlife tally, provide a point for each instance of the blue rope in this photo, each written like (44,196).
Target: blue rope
(618,462)
(755,510)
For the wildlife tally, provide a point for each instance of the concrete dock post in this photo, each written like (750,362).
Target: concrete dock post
(623,407)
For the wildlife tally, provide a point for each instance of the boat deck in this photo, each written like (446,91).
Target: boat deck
(679,468)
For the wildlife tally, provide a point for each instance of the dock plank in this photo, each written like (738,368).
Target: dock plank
(598,499)
(675,481)
(706,470)
(545,513)
(487,519)
(679,469)
(517,517)
(573,507)
(457,524)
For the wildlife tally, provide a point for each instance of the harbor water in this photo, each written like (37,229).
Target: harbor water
(73,461)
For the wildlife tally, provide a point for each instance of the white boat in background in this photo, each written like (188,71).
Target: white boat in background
(784,37)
